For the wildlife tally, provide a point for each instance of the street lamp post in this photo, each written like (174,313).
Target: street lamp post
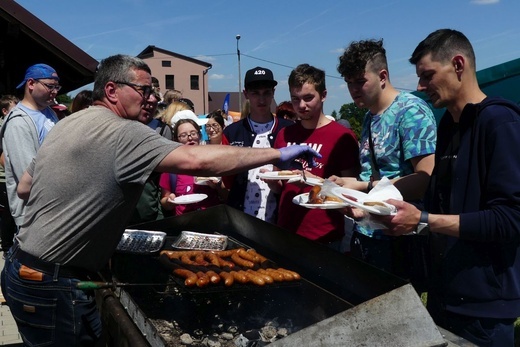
(239,78)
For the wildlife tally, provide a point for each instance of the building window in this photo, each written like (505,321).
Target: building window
(194,82)
(170,82)
(166,63)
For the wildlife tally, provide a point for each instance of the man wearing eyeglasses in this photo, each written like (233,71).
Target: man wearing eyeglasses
(25,128)
(82,188)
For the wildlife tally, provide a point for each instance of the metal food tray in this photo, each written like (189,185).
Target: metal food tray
(199,241)
(141,241)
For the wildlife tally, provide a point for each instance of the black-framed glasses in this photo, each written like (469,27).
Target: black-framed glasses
(144,90)
(214,126)
(192,134)
(50,87)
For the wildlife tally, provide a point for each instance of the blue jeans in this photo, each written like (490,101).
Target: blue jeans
(50,311)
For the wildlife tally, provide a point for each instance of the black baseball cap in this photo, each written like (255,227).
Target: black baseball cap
(261,76)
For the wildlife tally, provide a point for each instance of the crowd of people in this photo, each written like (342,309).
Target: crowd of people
(146,149)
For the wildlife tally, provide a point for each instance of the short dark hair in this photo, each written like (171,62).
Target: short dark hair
(218,115)
(305,73)
(155,82)
(443,44)
(82,100)
(188,102)
(358,54)
(6,100)
(285,110)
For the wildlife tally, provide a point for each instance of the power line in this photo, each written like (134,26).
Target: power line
(274,63)
(290,67)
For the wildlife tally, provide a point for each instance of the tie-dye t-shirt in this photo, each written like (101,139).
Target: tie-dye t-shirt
(406,129)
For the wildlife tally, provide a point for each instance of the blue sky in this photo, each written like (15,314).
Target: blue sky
(280,34)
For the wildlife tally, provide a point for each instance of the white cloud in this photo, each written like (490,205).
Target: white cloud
(485,2)
(217,76)
(205,58)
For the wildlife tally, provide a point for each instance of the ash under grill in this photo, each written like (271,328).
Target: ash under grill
(236,312)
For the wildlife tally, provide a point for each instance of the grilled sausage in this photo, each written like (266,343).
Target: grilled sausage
(289,273)
(241,261)
(203,279)
(199,259)
(258,258)
(275,275)
(239,276)
(267,279)
(213,277)
(253,278)
(314,195)
(189,276)
(227,278)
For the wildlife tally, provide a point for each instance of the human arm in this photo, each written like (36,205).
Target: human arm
(23,189)
(225,160)
(413,186)
(166,199)
(407,218)
(20,144)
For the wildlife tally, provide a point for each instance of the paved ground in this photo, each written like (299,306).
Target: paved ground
(9,335)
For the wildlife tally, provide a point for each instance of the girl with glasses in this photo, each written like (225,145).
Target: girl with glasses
(215,127)
(187,132)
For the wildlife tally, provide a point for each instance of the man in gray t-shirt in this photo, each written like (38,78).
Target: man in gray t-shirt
(82,188)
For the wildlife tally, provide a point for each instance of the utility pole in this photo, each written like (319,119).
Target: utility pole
(239,78)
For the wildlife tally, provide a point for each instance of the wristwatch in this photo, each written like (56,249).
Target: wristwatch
(423,227)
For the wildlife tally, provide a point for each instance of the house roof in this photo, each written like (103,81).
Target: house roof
(36,42)
(149,51)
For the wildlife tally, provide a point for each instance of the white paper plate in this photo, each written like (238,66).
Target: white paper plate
(205,182)
(273,175)
(189,199)
(312,181)
(302,199)
(361,198)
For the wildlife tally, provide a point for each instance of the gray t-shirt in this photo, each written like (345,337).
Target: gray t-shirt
(87,178)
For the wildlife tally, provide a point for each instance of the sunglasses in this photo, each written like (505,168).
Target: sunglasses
(144,90)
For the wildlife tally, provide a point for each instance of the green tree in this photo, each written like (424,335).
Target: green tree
(64,99)
(354,115)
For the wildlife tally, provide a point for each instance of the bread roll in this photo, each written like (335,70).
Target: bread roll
(285,173)
(374,203)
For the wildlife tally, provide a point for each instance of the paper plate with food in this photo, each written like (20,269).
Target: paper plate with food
(320,197)
(364,201)
(314,181)
(189,199)
(327,204)
(203,181)
(279,175)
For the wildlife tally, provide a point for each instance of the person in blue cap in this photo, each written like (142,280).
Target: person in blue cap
(25,128)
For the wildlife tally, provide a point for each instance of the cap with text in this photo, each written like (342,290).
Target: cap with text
(38,72)
(259,76)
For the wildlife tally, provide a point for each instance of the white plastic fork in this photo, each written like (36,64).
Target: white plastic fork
(303,176)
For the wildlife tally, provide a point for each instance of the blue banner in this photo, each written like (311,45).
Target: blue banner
(225,106)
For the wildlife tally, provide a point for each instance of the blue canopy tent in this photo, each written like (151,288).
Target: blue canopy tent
(499,80)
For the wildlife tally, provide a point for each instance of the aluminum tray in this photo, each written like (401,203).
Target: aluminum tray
(200,241)
(141,241)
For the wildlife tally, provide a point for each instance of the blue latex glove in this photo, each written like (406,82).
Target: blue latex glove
(289,154)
